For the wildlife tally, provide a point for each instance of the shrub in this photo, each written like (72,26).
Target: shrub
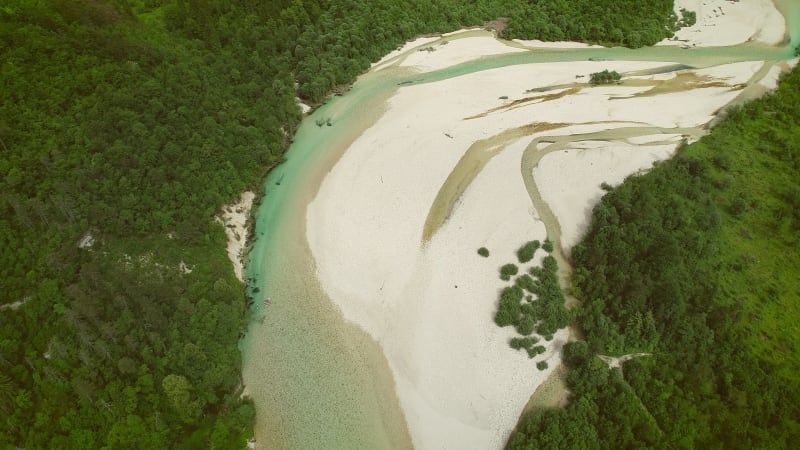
(483,251)
(525,325)
(503,318)
(688,18)
(513,293)
(526,282)
(526,252)
(534,351)
(547,245)
(549,325)
(605,77)
(541,365)
(507,271)
(527,309)
(509,310)
(518,343)
(549,266)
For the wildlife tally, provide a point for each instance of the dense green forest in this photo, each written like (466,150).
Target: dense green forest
(629,23)
(134,121)
(697,263)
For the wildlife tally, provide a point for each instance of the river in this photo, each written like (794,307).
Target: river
(317,380)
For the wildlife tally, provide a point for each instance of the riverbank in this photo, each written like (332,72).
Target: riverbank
(234,218)
(327,379)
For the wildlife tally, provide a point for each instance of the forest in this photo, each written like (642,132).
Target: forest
(696,264)
(130,123)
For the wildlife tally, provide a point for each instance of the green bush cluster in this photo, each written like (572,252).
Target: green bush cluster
(688,18)
(523,342)
(526,252)
(483,251)
(605,77)
(507,271)
(509,309)
(526,282)
(535,351)
(541,310)
(528,344)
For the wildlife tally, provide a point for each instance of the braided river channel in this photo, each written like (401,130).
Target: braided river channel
(321,381)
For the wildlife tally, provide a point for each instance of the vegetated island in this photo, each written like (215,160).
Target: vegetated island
(605,77)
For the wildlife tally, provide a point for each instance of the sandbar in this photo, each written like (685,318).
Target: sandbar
(430,304)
